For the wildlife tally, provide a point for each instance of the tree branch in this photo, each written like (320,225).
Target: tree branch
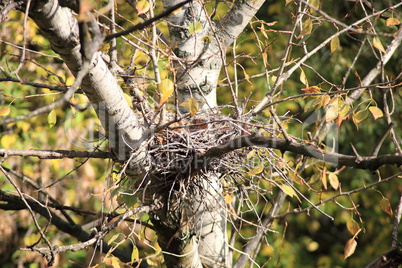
(148,22)
(234,22)
(54,154)
(369,162)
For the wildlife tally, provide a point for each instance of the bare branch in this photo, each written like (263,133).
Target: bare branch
(370,162)
(54,154)
(147,23)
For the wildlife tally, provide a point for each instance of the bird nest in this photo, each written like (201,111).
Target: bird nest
(177,151)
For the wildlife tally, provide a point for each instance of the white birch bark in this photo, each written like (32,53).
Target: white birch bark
(59,26)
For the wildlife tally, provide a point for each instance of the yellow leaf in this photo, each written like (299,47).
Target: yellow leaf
(353,227)
(325,100)
(52,118)
(307,28)
(177,11)
(128,99)
(376,112)
(333,180)
(392,21)
(5,111)
(360,116)
(331,113)
(303,78)
(111,240)
(350,247)
(386,206)
(251,154)
(8,141)
(257,170)
(193,106)
(314,3)
(247,77)
(228,199)
(335,44)
(135,255)
(377,44)
(324,177)
(166,88)
(142,7)
(289,191)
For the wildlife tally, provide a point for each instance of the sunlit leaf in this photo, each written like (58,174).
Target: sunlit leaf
(333,180)
(353,227)
(386,206)
(335,44)
(325,100)
(288,190)
(142,7)
(5,111)
(251,154)
(303,78)
(324,177)
(193,106)
(307,28)
(331,113)
(392,21)
(378,45)
(265,58)
(350,248)
(247,77)
(112,239)
(135,255)
(166,88)
(194,27)
(52,118)
(376,112)
(177,10)
(256,170)
(312,89)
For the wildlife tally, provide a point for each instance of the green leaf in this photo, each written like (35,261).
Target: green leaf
(353,227)
(194,27)
(307,28)
(360,116)
(52,118)
(335,44)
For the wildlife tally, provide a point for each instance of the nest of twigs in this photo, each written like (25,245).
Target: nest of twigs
(177,151)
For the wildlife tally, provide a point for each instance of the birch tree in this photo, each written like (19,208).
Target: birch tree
(196,168)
